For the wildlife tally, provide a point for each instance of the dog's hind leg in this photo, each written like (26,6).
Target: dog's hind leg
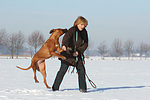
(41,64)
(35,78)
(34,71)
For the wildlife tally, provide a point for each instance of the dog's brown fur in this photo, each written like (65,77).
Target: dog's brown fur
(46,51)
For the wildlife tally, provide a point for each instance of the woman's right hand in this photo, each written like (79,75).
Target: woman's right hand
(75,54)
(64,48)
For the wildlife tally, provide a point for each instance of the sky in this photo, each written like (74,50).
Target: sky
(108,19)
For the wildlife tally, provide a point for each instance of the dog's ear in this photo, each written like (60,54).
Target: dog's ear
(53,30)
(64,30)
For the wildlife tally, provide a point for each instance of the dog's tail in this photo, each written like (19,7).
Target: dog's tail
(24,68)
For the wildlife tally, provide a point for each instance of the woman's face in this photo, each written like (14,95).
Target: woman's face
(81,26)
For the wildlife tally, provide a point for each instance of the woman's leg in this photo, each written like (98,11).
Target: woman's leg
(59,77)
(81,78)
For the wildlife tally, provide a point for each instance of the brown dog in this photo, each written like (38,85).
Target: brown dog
(46,51)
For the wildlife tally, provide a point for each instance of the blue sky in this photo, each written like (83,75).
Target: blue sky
(108,19)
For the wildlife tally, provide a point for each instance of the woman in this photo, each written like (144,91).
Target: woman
(74,43)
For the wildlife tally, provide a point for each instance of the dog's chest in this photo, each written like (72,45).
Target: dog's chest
(56,46)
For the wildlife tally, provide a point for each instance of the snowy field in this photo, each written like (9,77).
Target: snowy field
(115,80)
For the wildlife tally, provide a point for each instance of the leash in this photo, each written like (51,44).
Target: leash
(90,81)
(76,45)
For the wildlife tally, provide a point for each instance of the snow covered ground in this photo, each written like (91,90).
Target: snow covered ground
(115,80)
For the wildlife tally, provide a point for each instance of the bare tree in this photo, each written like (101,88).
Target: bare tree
(128,46)
(103,49)
(117,47)
(145,49)
(141,49)
(30,50)
(121,52)
(36,39)
(20,41)
(132,52)
(90,45)
(10,43)
(2,35)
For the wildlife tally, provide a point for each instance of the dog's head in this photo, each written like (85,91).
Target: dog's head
(58,31)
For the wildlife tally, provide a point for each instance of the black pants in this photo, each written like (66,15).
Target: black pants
(61,73)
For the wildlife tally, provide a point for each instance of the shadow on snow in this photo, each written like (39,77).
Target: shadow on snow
(115,88)
(104,89)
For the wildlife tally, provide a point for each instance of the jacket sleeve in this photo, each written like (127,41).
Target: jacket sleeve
(85,44)
(67,38)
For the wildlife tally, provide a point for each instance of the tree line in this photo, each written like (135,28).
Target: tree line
(14,42)
(127,47)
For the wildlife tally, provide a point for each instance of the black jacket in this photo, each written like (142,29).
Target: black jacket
(69,40)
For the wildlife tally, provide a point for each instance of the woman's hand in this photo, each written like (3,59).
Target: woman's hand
(64,48)
(75,54)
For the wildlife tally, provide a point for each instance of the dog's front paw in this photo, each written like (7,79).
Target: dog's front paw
(60,50)
(63,57)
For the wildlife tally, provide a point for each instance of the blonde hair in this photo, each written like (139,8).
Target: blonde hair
(81,20)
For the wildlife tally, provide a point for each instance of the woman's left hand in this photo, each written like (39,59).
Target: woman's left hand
(75,54)
(64,48)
